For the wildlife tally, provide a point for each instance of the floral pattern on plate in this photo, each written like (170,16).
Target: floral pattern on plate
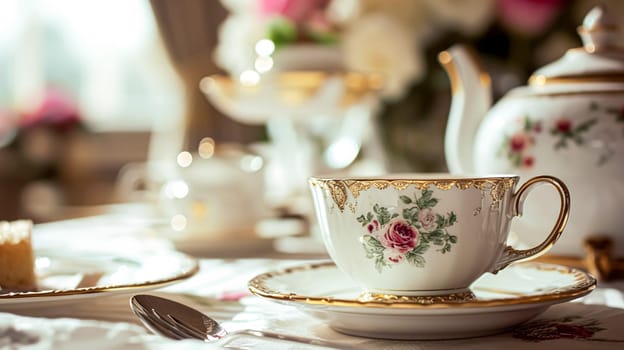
(391,238)
(569,327)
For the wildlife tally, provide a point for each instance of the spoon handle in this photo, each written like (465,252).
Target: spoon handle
(296,339)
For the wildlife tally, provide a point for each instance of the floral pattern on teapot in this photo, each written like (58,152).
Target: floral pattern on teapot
(565,132)
(391,239)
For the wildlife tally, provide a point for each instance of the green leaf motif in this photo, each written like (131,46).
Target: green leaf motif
(406,199)
(440,221)
(383,215)
(372,244)
(374,250)
(415,259)
(452,219)
(362,220)
(411,215)
(585,125)
(528,123)
(431,203)
(425,200)
(420,249)
(436,234)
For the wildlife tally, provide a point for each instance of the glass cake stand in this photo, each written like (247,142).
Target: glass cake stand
(317,122)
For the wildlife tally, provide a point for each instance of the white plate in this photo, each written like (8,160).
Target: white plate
(70,275)
(514,295)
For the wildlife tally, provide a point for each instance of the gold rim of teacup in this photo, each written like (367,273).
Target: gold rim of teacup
(340,187)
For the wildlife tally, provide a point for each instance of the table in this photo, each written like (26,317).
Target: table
(220,290)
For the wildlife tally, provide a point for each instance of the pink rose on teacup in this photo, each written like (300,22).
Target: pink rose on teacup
(427,218)
(400,236)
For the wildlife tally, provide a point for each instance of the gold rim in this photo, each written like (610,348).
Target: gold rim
(313,79)
(446,60)
(192,270)
(584,283)
(614,77)
(534,94)
(339,188)
(297,87)
(512,255)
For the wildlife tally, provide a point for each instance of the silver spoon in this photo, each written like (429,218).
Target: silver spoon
(178,321)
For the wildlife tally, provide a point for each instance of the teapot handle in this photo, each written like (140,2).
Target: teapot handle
(512,255)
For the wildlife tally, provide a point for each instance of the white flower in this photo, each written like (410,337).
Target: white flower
(377,43)
(238,35)
(343,11)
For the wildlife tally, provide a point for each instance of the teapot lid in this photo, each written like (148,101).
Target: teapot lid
(599,60)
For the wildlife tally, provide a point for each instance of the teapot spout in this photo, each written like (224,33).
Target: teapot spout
(472,98)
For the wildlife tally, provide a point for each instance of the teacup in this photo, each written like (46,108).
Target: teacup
(425,234)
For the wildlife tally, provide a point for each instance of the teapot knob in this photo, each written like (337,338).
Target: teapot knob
(599,30)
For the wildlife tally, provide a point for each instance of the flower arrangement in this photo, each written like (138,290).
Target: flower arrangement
(34,139)
(384,37)
(400,40)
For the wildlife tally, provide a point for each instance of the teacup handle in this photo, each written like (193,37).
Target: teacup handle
(510,254)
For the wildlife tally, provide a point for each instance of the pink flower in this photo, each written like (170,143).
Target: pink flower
(393,256)
(296,10)
(563,125)
(427,218)
(233,295)
(373,226)
(530,17)
(400,236)
(56,109)
(518,142)
(527,162)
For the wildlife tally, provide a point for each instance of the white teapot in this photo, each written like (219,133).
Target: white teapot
(567,122)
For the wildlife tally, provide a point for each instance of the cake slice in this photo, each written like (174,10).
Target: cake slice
(17,261)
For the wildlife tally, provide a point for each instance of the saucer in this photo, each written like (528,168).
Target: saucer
(514,295)
(69,276)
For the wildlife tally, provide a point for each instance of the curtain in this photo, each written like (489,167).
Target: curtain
(188,29)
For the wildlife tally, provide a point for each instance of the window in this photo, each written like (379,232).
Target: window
(106,55)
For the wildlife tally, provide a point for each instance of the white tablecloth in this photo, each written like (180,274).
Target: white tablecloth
(220,290)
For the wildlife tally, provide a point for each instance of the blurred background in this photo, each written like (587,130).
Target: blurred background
(105,102)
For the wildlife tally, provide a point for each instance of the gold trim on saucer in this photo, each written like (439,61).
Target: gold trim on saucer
(183,274)
(584,283)
(458,297)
